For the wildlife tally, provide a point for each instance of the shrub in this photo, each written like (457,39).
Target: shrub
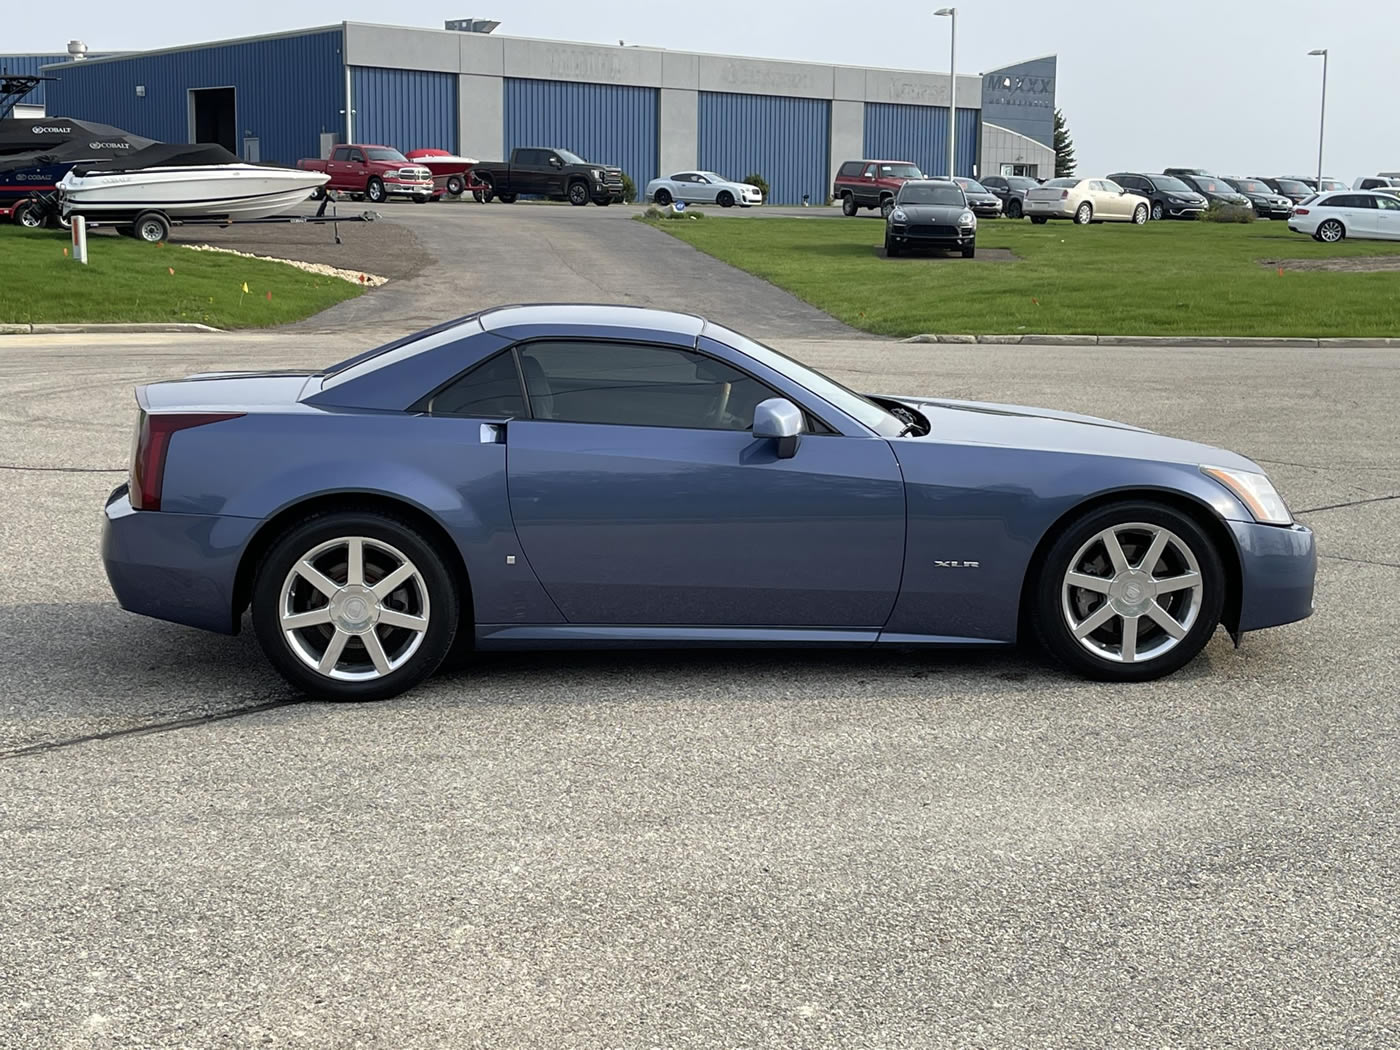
(1217,212)
(629,189)
(753,178)
(653,212)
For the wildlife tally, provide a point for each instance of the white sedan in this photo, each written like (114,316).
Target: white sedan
(702,187)
(1333,216)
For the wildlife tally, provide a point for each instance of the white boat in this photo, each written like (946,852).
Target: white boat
(216,191)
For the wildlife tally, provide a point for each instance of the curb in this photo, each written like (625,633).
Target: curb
(1156,340)
(151,328)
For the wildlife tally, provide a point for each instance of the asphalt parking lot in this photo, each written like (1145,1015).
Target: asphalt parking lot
(704,850)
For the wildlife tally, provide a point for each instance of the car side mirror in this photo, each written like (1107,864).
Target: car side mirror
(780,419)
(555,162)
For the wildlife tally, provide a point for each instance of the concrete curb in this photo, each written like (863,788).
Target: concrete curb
(150,328)
(1155,340)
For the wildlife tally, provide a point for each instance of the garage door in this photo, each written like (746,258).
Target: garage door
(610,124)
(406,108)
(783,139)
(894,131)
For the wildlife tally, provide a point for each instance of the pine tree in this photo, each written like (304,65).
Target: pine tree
(1064,148)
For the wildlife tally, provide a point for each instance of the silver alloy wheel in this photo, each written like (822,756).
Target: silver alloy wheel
(1127,574)
(1140,214)
(1157,210)
(1084,215)
(354,609)
(1330,231)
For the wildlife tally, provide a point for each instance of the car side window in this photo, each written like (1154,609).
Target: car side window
(870,171)
(629,384)
(492,388)
(850,169)
(1387,203)
(356,157)
(340,153)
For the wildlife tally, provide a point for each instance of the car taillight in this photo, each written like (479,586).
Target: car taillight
(152,443)
(1300,211)
(1064,195)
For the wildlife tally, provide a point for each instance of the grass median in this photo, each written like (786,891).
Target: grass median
(126,280)
(1165,278)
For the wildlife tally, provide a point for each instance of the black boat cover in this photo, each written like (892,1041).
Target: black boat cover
(161,155)
(62,140)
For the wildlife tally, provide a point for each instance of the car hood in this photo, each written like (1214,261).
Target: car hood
(1019,426)
(931,212)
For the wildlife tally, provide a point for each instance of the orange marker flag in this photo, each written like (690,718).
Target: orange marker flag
(269,297)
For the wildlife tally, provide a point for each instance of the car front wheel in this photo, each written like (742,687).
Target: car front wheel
(1158,212)
(1013,210)
(662,197)
(1129,592)
(354,606)
(891,248)
(1140,214)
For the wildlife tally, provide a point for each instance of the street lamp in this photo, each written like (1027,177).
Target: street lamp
(1322,118)
(952,13)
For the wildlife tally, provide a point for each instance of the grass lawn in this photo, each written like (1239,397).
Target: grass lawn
(1165,278)
(129,280)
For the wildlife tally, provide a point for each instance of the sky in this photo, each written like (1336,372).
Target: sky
(1194,83)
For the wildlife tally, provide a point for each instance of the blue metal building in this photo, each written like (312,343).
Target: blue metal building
(649,111)
(31,65)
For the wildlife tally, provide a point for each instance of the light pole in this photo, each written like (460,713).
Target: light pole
(952,13)
(1322,117)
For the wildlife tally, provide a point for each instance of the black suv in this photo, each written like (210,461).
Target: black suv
(1171,198)
(1216,190)
(1293,189)
(1268,202)
(1012,190)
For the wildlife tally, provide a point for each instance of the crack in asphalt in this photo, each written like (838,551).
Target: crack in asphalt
(1361,561)
(144,730)
(63,470)
(1351,503)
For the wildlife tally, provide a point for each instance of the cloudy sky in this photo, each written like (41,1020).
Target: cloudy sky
(1195,83)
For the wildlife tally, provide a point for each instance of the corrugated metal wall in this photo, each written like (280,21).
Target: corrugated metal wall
(407,108)
(786,140)
(895,131)
(28,65)
(289,90)
(611,124)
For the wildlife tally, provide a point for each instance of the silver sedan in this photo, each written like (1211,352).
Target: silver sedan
(702,187)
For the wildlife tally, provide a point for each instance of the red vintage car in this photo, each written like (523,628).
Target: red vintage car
(451,174)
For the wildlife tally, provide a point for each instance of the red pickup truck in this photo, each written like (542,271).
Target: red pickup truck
(375,173)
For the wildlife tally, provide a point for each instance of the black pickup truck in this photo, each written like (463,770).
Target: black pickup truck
(553,173)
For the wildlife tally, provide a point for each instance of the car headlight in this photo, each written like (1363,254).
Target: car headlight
(898,215)
(967,219)
(1256,492)
(599,174)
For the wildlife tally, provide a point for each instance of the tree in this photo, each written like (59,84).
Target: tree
(1064,148)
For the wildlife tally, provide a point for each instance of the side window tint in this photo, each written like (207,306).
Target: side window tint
(492,388)
(630,385)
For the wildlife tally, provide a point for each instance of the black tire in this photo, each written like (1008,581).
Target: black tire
(422,198)
(662,197)
(1013,209)
(30,215)
(1159,212)
(319,193)
(1039,220)
(891,249)
(848,204)
(886,206)
(374,190)
(578,194)
(725,199)
(1140,215)
(485,192)
(151,227)
(1047,597)
(1084,214)
(970,252)
(304,537)
(603,202)
(455,185)
(1330,232)
(507,198)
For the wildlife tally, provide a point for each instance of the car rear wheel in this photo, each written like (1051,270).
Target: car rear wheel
(1084,214)
(1140,214)
(374,190)
(725,199)
(1158,212)
(848,204)
(578,194)
(1330,232)
(354,606)
(662,197)
(1013,210)
(1129,592)
(485,191)
(507,198)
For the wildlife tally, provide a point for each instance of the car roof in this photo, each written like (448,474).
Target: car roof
(507,320)
(872,160)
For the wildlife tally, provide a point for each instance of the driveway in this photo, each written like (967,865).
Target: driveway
(845,849)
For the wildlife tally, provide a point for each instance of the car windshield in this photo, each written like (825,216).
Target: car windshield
(570,158)
(1250,186)
(972,186)
(848,401)
(1213,186)
(1333,184)
(1170,185)
(1063,183)
(931,193)
(1290,186)
(384,153)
